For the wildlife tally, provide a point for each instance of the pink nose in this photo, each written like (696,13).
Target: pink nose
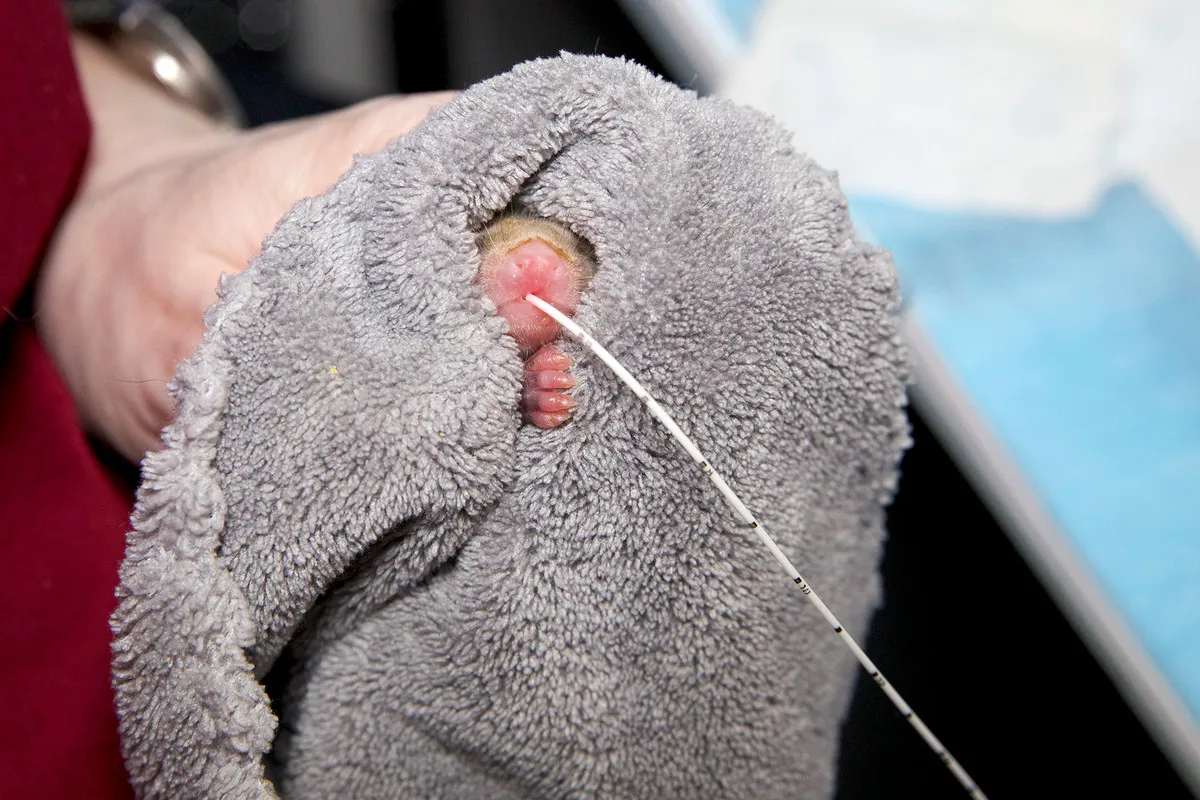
(535,266)
(532,267)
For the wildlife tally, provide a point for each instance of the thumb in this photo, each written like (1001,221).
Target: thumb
(307,156)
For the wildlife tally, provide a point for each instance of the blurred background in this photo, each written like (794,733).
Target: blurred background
(1035,168)
(287,58)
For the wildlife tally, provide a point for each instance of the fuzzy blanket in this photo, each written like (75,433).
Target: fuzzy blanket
(354,572)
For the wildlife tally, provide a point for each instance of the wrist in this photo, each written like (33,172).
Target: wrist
(134,124)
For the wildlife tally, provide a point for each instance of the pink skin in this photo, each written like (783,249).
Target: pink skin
(534,267)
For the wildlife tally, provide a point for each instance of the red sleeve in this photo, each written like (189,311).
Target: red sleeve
(62,517)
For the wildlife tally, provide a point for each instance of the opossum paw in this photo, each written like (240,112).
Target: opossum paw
(546,401)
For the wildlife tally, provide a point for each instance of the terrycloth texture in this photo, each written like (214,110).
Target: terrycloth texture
(469,607)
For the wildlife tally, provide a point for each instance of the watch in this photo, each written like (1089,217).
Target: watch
(155,45)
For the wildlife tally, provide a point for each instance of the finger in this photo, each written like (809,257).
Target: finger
(549,379)
(303,158)
(549,357)
(548,401)
(544,419)
(374,123)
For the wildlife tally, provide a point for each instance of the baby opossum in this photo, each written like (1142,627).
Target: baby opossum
(522,254)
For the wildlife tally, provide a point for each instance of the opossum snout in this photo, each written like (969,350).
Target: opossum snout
(532,267)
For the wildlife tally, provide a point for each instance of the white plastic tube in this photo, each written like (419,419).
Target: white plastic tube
(742,511)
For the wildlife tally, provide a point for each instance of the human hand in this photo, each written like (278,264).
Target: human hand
(168,203)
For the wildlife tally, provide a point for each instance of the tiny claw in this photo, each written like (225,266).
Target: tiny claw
(549,357)
(550,379)
(549,401)
(549,419)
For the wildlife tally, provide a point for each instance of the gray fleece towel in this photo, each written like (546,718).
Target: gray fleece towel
(447,603)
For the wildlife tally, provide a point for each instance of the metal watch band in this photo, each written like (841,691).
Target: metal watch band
(155,45)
